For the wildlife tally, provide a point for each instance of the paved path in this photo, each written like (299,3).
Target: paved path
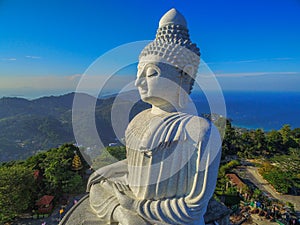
(263,185)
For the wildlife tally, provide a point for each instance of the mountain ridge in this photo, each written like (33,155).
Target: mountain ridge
(29,126)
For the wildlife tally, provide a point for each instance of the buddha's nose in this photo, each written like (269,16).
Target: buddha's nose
(139,81)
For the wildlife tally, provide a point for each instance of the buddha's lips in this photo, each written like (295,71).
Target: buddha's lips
(143,91)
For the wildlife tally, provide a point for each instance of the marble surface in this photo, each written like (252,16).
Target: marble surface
(173,155)
(172,17)
(82,214)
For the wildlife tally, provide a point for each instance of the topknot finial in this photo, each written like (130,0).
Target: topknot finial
(172,44)
(172,17)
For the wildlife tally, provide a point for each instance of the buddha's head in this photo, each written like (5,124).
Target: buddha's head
(168,65)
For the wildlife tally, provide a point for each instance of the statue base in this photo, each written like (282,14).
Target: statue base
(82,214)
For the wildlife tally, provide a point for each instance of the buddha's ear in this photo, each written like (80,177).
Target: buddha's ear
(188,69)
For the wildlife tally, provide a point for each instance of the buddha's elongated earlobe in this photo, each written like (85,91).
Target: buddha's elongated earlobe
(185,79)
(182,95)
(188,70)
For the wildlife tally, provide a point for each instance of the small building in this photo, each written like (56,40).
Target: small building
(37,175)
(45,204)
(236,181)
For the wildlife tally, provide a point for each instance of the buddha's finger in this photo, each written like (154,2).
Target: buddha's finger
(124,187)
(121,187)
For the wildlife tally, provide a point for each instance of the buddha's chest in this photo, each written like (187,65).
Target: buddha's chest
(149,133)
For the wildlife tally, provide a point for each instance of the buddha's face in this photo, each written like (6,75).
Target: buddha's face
(158,83)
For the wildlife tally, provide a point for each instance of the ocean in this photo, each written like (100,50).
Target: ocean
(252,110)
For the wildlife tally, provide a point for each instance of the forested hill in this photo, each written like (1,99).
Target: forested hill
(27,126)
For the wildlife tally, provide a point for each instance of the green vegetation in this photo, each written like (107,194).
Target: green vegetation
(223,180)
(21,186)
(16,190)
(109,155)
(22,183)
(30,126)
(282,171)
(119,152)
(279,151)
(227,167)
(257,143)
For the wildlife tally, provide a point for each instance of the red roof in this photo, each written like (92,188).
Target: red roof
(45,200)
(235,180)
(36,174)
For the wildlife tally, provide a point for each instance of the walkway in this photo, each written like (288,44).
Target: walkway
(263,185)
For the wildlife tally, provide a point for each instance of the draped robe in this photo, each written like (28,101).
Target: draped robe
(171,169)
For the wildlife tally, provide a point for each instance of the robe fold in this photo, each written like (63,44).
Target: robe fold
(172,167)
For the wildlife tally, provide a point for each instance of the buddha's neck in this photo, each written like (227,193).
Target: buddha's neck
(167,108)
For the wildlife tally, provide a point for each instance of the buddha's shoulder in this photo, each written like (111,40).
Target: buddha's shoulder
(139,119)
(199,128)
(141,116)
(196,123)
(143,113)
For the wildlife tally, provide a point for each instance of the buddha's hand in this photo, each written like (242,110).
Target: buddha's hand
(124,200)
(107,171)
(100,174)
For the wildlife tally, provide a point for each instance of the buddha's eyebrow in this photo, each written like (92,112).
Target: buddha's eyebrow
(141,65)
(141,69)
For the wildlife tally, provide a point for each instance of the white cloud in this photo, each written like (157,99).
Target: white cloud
(233,62)
(8,59)
(33,57)
(251,74)
(250,61)
(75,77)
(283,59)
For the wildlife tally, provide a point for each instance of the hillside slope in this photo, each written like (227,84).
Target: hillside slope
(27,126)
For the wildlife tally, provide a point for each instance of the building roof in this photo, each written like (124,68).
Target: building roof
(45,200)
(235,180)
(36,174)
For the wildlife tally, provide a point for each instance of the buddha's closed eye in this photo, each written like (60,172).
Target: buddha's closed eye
(151,72)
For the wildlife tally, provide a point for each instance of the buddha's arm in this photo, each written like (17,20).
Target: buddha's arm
(207,165)
(180,210)
(186,209)
(170,211)
(112,170)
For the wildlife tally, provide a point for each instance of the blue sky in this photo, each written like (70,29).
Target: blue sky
(46,45)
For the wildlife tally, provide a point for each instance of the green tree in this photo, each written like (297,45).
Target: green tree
(230,145)
(257,194)
(109,155)
(259,140)
(57,166)
(280,180)
(16,191)
(287,137)
(118,152)
(274,142)
(74,184)
(296,136)
(246,149)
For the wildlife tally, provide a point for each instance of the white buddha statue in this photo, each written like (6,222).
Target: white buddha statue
(172,161)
